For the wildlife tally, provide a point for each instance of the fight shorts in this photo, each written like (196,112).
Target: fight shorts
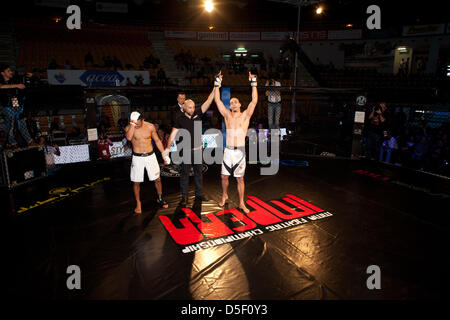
(234,161)
(141,161)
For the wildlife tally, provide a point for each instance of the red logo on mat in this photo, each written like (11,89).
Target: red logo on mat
(229,225)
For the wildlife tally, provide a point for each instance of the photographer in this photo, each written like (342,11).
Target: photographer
(12,103)
(376,129)
(273,104)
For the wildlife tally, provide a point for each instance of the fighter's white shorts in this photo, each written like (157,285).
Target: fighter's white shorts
(234,162)
(139,163)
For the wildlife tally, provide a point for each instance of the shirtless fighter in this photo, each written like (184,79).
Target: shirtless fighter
(141,133)
(236,123)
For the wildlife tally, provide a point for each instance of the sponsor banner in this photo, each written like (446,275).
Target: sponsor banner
(102,78)
(212,36)
(72,154)
(187,35)
(111,7)
(312,35)
(53,3)
(245,36)
(119,150)
(423,29)
(344,34)
(193,232)
(276,36)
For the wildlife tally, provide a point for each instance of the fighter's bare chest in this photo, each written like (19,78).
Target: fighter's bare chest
(237,122)
(142,134)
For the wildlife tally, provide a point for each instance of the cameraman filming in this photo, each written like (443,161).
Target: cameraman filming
(273,103)
(11,101)
(376,131)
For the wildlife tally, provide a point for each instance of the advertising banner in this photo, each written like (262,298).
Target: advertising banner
(312,35)
(426,29)
(180,35)
(245,36)
(212,36)
(344,34)
(276,36)
(100,78)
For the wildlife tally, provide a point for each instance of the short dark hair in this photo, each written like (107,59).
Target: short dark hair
(183,93)
(141,112)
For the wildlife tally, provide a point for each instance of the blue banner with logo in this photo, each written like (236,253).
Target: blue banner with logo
(96,78)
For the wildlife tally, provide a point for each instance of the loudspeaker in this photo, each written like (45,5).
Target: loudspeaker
(22,166)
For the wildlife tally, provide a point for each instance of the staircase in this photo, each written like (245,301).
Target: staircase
(8,46)
(304,78)
(166,57)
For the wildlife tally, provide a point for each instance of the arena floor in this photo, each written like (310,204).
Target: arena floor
(375,214)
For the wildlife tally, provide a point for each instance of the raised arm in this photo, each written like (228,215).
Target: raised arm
(217,84)
(12,86)
(252,105)
(129,132)
(129,129)
(205,106)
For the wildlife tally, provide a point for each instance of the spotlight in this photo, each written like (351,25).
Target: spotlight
(319,10)
(209,6)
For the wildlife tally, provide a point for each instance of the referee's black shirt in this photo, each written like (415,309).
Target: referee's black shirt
(183,122)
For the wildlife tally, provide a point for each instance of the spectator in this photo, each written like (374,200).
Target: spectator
(139,82)
(11,101)
(273,103)
(50,152)
(88,59)
(161,76)
(103,146)
(419,153)
(31,126)
(438,155)
(3,141)
(75,133)
(67,65)
(123,121)
(54,125)
(389,147)
(375,128)
(129,82)
(107,62)
(53,65)
(116,63)
(104,121)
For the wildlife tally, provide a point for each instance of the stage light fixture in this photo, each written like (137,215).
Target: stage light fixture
(209,6)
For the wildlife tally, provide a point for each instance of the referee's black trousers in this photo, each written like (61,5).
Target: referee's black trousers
(198,178)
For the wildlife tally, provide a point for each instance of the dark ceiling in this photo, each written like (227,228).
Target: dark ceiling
(229,13)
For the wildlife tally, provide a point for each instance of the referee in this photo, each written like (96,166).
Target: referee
(187,120)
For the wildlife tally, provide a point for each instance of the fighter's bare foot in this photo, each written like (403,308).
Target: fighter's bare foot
(224,200)
(138,209)
(244,208)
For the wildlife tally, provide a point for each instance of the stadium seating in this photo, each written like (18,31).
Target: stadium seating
(40,43)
